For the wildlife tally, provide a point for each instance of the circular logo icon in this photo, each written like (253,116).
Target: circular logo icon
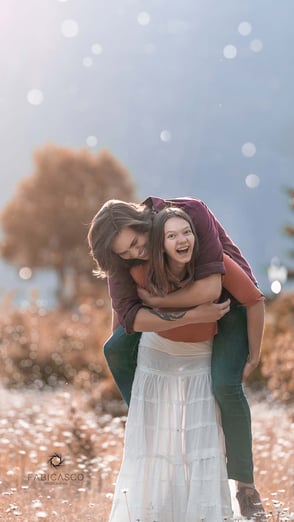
(55,460)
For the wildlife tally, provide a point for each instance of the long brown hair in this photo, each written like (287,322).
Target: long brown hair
(113,216)
(160,278)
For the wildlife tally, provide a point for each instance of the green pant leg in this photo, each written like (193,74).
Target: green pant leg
(230,352)
(120,351)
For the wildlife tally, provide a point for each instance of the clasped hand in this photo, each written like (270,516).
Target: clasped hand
(211,312)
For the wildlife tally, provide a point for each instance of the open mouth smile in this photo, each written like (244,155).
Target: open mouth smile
(182,251)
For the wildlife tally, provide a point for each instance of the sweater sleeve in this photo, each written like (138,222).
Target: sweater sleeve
(239,284)
(124,299)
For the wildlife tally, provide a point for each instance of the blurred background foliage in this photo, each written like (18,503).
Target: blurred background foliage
(45,224)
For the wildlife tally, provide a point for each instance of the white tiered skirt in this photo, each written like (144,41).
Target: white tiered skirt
(173,467)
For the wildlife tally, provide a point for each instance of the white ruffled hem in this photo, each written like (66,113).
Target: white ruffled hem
(174,467)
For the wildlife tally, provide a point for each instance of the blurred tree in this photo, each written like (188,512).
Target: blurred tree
(289,229)
(45,224)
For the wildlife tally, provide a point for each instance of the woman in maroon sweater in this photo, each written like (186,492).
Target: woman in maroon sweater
(118,238)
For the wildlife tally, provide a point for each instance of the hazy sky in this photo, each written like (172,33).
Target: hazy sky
(194,97)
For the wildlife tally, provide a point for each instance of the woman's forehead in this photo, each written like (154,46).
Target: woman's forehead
(175,223)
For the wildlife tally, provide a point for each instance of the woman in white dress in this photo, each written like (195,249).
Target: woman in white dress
(174,465)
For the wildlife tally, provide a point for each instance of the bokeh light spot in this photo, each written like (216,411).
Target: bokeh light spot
(91,141)
(143,18)
(256,46)
(248,149)
(244,28)
(276,287)
(252,181)
(230,52)
(35,97)
(165,135)
(97,49)
(87,61)
(69,28)
(25,273)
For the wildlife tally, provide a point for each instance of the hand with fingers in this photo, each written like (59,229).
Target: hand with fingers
(210,312)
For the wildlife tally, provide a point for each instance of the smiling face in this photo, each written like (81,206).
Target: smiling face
(179,242)
(130,244)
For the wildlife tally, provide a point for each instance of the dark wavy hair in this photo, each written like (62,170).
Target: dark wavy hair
(160,278)
(113,216)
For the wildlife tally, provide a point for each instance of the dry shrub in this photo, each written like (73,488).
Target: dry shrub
(278,347)
(44,349)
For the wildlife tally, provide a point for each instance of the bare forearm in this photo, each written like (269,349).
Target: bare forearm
(148,320)
(255,327)
(203,291)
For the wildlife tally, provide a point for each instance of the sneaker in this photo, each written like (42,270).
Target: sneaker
(250,504)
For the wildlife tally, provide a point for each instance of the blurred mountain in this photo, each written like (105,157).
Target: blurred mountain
(194,97)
